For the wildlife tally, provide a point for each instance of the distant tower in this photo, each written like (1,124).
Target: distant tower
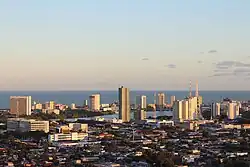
(154,114)
(20,105)
(190,89)
(197,89)
(154,98)
(94,102)
(124,104)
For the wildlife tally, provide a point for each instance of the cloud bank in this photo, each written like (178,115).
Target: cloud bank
(171,66)
(231,68)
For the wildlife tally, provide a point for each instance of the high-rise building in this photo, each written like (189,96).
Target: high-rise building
(124,104)
(138,102)
(141,102)
(73,106)
(94,102)
(161,100)
(192,107)
(233,110)
(215,110)
(237,110)
(199,101)
(20,105)
(199,98)
(51,105)
(46,106)
(85,103)
(185,110)
(172,100)
(140,115)
(38,106)
(177,111)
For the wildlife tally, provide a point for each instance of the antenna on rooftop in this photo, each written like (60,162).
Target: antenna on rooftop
(197,89)
(154,98)
(190,88)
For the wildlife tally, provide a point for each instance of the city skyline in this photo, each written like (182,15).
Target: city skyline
(154,45)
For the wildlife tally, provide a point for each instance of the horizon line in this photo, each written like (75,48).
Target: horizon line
(146,90)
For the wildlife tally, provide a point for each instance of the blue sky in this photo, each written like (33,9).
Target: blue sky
(141,44)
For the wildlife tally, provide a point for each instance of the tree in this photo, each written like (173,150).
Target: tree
(206,114)
(161,159)
(75,115)
(236,163)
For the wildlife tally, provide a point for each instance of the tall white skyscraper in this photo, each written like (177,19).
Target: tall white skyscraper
(160,100)
(185,109)
(124,104)
(141,102)
(73,106)
(231,107)
(233,110)
(85,103)
(172,100)
(192,108)
(20,105)
(94,102)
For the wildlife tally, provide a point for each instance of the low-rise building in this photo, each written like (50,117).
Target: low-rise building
(74,136)
(63,129)
(231,126)
(78,127)
(140,115)
(245,126)
(51,111)
(165,123)
(99,119)
(116,121)
(26,125)
(38,106)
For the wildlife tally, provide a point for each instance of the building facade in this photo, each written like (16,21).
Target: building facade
(38,106)
(177,111)
(73,106)
(20,105)
(51,105)
(172,100)
(233,110)
(27,125)
(140,115)
(192,109)
(94,102)
(78,127)
(215,110)
(73,136)
(160,100)
(141,102)
(185,112)
(124,104)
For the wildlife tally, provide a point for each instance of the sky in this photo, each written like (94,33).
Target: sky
(140,44)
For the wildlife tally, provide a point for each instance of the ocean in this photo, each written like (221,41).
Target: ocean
(78,97)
